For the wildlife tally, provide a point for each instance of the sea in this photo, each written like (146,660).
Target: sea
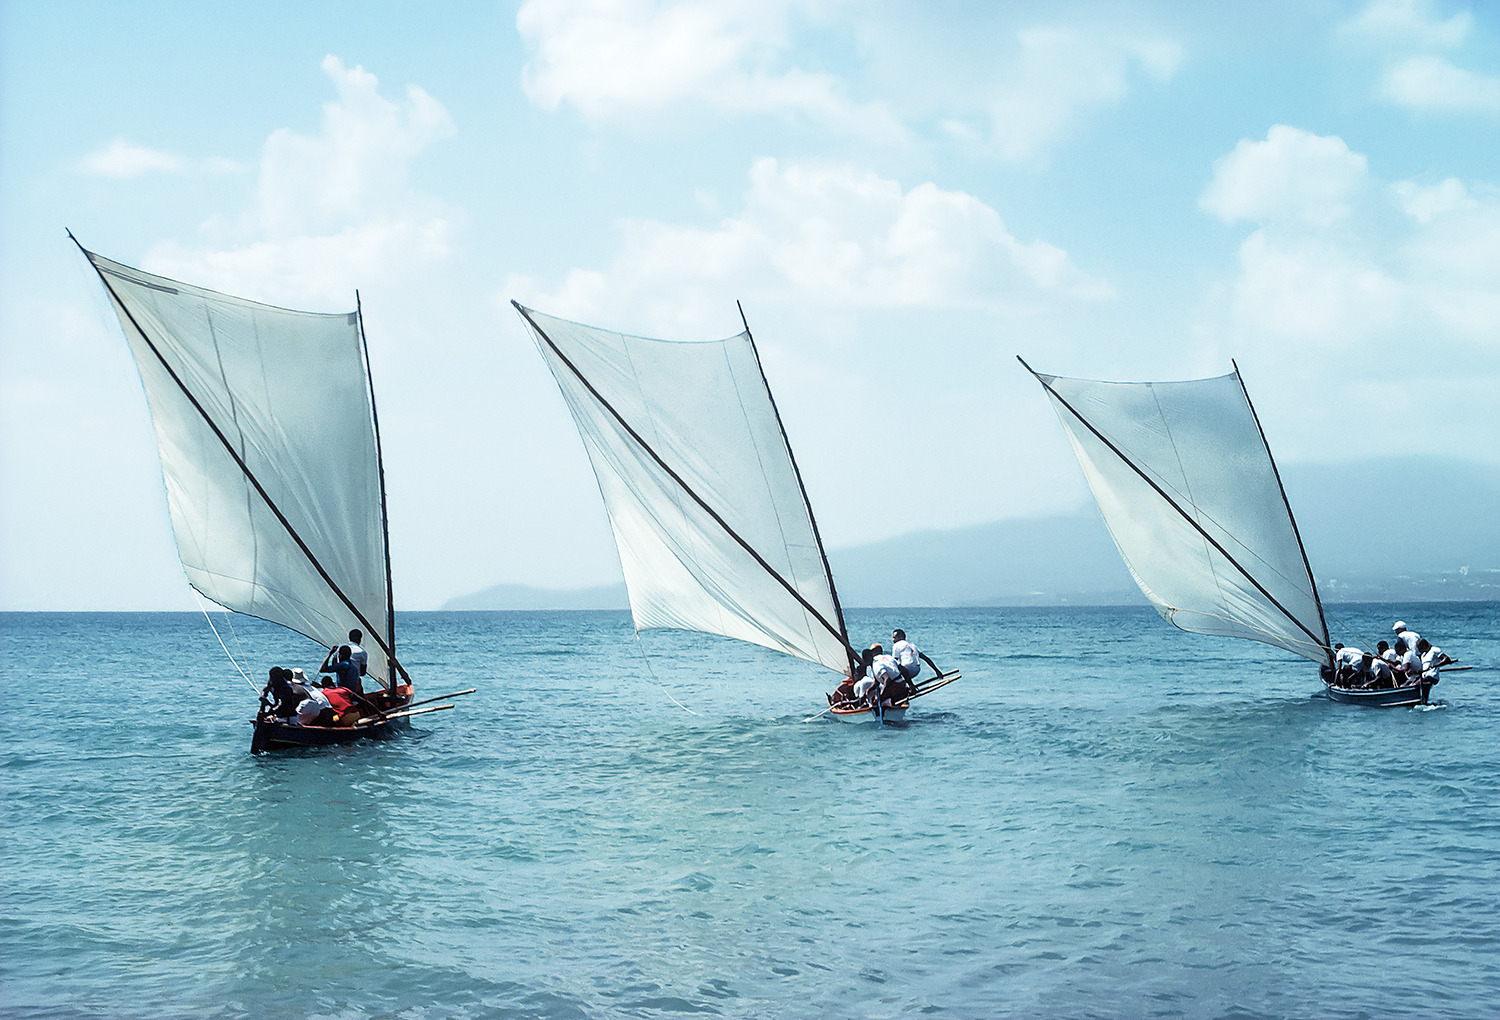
(1106,817)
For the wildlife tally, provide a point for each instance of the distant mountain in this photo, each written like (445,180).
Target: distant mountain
(1371,535)
(1033,561)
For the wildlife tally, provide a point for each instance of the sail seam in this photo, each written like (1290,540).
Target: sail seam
(1188,491)
(239,431)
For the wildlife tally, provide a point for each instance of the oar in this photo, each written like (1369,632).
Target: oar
(819,715)
(440,697)
(372,720)
(941,680)
(380,716)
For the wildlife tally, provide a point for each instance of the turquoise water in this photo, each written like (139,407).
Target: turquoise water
(1106,817)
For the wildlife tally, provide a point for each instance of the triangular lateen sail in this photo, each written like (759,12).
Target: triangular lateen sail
(1188,489)
(264,421)
(712,525)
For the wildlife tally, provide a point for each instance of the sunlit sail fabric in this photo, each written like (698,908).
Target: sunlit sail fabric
(700,412)
(1200,445)
(289,394)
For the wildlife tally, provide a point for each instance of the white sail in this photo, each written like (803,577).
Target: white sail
(1186,485)
(712,525)
(265,424)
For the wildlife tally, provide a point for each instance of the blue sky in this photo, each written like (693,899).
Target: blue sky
(904,196)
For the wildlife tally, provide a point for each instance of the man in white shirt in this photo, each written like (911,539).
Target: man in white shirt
(1346,660)
(1433,659)
(1409,662)
(1411,637)
(358,655)
(908,656)
(314,700)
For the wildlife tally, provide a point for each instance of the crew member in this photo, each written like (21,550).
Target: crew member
(909,657)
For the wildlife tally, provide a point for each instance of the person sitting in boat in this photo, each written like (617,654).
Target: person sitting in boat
(1383,651)
(344,669)
(886,674)
(341,705)
(909,657)
(844,692)
(1376,673)
(278,698)
(1408,662)
(315,703)
(1346,662)
(865,682)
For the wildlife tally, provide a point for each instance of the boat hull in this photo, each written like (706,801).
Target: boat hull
(1389,697)
(272,733)
(864,714)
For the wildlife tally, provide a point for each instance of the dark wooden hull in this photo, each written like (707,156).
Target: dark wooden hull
(273,734)
(1381,697)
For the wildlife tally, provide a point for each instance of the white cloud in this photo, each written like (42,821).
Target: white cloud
(1377,318)
(1324,274)
(1432,83)
(1409,23)
(357,167)
(123,160)
(607,57)
(1425,203)
(1291,177)
(1311,291)
(1060,73)
(333,210)
(1408,31)
(827,236)
(1453,258)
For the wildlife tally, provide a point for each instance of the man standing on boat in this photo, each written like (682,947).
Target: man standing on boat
(1411,637)
(358,655)
(909,657)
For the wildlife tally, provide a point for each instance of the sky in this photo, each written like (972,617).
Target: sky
(903,197)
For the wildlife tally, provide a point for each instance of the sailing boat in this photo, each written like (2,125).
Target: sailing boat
(713,525)
(1187,487)
(270,450)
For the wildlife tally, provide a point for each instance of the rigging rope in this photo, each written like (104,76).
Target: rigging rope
(222,645)
(647,661)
